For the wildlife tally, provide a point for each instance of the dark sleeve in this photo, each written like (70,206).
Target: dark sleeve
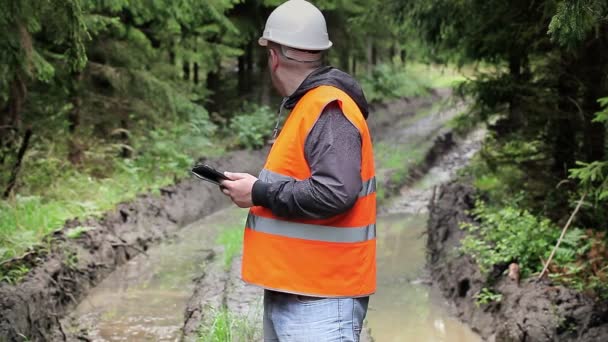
(333,152)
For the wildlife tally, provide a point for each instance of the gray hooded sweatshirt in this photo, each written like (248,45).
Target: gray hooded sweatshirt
(333,152)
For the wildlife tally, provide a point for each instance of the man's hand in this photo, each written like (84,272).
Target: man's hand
(239,188)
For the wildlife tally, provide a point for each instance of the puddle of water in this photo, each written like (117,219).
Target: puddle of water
(144,299)
(403,309)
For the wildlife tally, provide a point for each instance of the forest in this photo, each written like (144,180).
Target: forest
(103,100)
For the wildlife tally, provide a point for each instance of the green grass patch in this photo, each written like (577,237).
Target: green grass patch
(51,190)
(390,81)
(14,275)
(76,232)
(438,76)
(397,161)
(232,241)
(228,327)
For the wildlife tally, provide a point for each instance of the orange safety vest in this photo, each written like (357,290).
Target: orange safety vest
(334,257)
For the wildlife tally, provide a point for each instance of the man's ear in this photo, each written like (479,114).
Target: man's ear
(274,59)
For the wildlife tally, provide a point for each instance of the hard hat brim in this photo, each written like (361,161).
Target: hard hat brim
(264,42)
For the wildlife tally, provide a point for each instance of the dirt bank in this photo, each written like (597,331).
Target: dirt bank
(530,311)
(63,272)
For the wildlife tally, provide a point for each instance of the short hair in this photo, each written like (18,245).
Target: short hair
(298,58)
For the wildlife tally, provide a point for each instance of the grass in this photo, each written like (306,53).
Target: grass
(229,327)
(232,241)
(52,190)
(437,76)
(399,160)
(391,81)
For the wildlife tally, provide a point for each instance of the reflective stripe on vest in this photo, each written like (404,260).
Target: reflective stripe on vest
(311,231)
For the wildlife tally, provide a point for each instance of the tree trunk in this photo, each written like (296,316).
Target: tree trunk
(213,84)
(403,55)
(266,88)
(374,54)
(249,56)
(195,76)
(344,58)
(564,127)
(10,117)
(18,92)
(515,120)
(595,66)
(172,56)
(242,79)
(75,152)
(186,69)
(369,53)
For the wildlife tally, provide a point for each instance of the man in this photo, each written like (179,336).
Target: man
(310,238)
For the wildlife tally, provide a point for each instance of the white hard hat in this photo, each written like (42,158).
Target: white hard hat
(297,24)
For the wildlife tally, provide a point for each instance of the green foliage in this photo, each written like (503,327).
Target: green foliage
(487,296)
(499,170)
(593,178)
(232,241)
(252,127)
(391,82)
(602,116)
(463,123)
(76,232)
(14,275)
(70,259)
(396,162)
(226,326)
(65,192)
(574,19)
(508,235)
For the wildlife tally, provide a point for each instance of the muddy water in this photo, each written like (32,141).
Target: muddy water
(404,308)
(144,299)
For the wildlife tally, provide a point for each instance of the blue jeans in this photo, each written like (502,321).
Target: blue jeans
(295,318)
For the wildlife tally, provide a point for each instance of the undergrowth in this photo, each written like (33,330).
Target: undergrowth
(392,81)
(53,190)
(229,327)
(232,241)
(511,223)
(397,163)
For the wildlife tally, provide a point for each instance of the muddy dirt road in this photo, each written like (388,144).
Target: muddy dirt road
(146,298)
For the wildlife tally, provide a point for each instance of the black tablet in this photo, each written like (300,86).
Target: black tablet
(208,173)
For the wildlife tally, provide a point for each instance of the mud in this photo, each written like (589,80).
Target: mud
(62,273)
(530,311)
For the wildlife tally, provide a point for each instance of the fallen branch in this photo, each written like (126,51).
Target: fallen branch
(561,237)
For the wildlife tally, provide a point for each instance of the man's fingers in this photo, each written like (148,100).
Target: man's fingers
(225,191)
(236,175)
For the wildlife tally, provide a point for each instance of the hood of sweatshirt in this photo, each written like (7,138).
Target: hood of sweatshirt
(330,76)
